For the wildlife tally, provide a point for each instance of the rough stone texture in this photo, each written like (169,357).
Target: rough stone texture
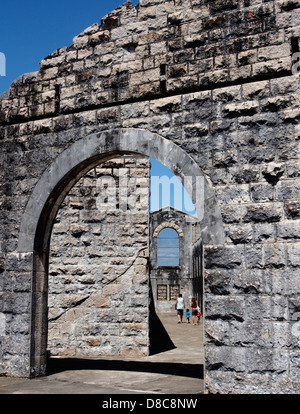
(98,267)
(211,81)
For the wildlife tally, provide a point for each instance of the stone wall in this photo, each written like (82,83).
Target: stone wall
(98,268)
(208,88)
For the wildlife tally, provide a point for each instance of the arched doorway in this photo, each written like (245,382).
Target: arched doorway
(58,179)
(98,281)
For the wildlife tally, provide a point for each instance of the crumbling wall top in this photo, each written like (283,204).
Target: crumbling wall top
(157,49)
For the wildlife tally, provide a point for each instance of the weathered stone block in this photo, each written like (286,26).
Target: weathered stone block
(223,257)
(264,212)
(293,255)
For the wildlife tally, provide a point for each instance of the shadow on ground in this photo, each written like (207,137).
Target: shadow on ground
(159,338)
(160,344)
(56,365)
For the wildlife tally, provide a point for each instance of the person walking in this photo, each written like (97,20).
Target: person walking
(198,315)
(187,315)
(180,306)
(194,308)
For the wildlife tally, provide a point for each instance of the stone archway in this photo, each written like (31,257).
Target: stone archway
(168,225)
(67,169)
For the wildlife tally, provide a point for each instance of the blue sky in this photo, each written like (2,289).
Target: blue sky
(31,30)
(174,195)
(168,248)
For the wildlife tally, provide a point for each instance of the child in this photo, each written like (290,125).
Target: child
(187,315)
(198,316)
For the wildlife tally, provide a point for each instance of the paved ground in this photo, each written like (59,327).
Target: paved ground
(176,368)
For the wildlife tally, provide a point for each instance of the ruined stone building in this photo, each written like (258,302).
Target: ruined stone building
(211,90)
(175,258)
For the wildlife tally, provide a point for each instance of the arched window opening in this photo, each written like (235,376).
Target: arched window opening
(168,248)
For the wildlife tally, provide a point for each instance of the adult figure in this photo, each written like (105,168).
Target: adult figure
(180,306)
(194,307)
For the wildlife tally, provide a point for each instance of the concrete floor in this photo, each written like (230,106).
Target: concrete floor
(177,369)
